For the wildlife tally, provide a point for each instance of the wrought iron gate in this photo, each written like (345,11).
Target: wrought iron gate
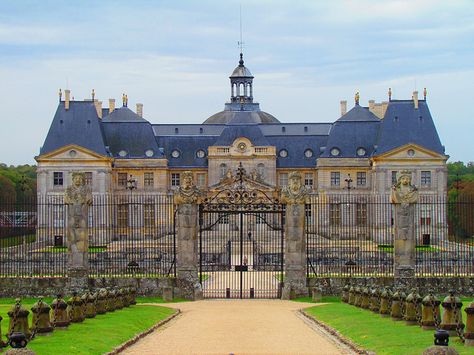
(241,243)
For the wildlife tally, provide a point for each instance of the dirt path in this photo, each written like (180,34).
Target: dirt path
(236,327)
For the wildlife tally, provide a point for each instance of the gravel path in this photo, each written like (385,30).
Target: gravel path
(236,327)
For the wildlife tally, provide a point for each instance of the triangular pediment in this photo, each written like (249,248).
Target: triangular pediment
(411,151)
(247,182)
(72,152)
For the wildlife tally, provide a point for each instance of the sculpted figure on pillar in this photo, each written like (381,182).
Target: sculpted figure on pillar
(187,193)
(295,192)
(403,192)
(78,197)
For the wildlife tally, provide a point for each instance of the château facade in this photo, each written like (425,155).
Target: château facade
(363,150)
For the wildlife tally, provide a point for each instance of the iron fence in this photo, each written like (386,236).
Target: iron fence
(352,235)
(129,236)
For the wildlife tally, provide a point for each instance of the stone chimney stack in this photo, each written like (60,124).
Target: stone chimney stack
(98,107)
(111,105)
(343,107)
(415,99)
(140,110)
(371,105)
(67,99)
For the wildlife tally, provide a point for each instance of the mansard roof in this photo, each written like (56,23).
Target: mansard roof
(230,116)
(232,132)
(78,125)
(404,124)
(187,146)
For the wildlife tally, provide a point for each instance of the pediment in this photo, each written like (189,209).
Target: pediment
(247,183)
(72,153)
(410,152)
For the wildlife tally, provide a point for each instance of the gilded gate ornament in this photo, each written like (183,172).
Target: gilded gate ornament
(78,197)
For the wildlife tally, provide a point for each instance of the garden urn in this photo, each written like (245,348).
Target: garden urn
(75,309)
(110,300)
(411,315)
(90,305)
(398,303)
(469,331)
(101,305)
(451,318)
(429,312)
(365,298)
(385,302)
(375,300)
(41,322)
(60,316)
(18,319)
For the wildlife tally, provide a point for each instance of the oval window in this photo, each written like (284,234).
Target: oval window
(200,153)
(411,152)
(361,152)
(175,153)
(122,153)
(283,153)
(335,152)
(149,153)
(308,153)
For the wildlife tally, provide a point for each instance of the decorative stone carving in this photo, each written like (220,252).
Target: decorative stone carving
(295,192)
(78,197)
(404,195)
(187,192)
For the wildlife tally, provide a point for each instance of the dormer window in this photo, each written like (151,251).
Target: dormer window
(335,152)
(361,152)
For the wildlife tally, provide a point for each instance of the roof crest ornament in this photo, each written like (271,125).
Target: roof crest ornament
(356,98)
(241,43)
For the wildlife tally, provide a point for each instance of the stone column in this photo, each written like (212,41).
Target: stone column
(404,196)
(78,197)
(295,196)
(186,199)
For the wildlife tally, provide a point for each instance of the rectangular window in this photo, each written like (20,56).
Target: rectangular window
(88,178)
(201,180)
(58,179)
(148,180)
(394,177)
(122,215)
(308,180)
(283,179)
(335,214)
(335,178)
(361,214)
(149,214)
(426,178)
(361,178)
(175,179)
(122,179)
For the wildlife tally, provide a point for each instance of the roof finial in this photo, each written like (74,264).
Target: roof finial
(93,94)
(389,94)
(124,100)
(357,97)
(424,93)
(60,95)
(241,43)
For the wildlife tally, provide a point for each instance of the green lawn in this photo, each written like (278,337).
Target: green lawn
(97,335)
(372,332)
(389,248)
(17,240)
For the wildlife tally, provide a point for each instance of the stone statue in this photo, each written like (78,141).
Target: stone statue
(228,175)
(403,191)
(187,192)
(295,192)
(404,196)
(78,197)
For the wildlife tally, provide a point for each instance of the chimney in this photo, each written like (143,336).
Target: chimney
(415,99)
(140,110)
(67,94)
(111,105)
(343,107)
(98,107)
(371,105)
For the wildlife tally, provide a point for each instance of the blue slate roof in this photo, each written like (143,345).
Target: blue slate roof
(403,124)
(231,133)
(358,128)
(133,137)
(187,147)
(296,147)
(79,125)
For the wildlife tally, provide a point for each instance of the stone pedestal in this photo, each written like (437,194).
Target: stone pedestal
(295,196)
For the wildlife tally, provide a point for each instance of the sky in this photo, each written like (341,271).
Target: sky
(175,57)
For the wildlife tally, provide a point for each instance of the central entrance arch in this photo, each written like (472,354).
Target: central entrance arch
(241,242)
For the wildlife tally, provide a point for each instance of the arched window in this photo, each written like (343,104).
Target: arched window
(241,89)
(261,170)
(223,170)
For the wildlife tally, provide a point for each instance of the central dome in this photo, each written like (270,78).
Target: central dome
(241,109)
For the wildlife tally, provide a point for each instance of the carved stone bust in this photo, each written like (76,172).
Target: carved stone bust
(295,192)
(403,192)
(187,192)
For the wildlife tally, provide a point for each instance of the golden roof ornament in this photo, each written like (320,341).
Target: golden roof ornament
(93,94)
(60,94)
(357,97)
(389,94)
(424,93)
